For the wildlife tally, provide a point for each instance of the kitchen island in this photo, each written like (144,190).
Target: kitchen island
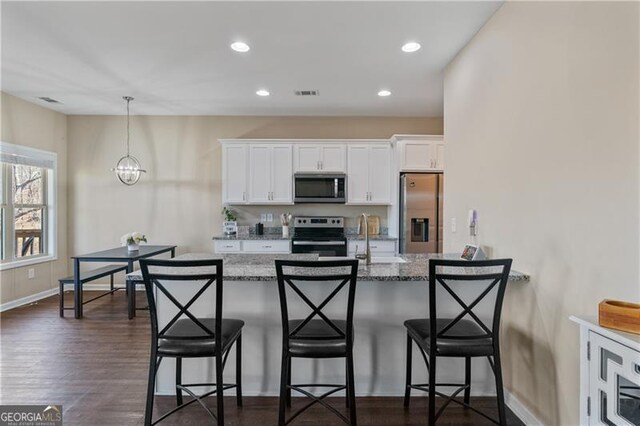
(386,296)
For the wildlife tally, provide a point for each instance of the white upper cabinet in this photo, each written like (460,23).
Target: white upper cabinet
(270,174)
(315,157)
(420,153)
(234,173)
(281,175)
(369,174)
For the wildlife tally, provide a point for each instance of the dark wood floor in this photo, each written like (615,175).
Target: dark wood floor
(97,369)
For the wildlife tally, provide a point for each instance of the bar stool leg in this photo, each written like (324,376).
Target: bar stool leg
(61,291)
(284,374)
(289,383)
(432,388)
(219,390)
(178,381)
(151,386)
(467,379)
(407,390)
(351,392)
(502,415)
(239,371)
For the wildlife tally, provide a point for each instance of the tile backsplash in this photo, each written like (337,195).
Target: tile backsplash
(250,215)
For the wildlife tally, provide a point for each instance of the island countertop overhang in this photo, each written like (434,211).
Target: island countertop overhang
(261,267)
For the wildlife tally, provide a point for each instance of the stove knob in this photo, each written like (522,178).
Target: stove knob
(304,220)
(333,221)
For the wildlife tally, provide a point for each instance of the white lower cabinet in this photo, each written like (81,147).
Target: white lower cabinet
(252,246)
(379,248)
(228,246)
(609,375)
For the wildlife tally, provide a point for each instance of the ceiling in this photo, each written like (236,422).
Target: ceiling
(174,57)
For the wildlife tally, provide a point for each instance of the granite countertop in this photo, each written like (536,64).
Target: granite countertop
(371,237)
(260,267)
(354,237)
(269,237)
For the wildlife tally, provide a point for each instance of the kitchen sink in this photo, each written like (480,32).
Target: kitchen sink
(374,260)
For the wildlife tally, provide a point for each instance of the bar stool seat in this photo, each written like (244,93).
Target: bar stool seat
(186,339)
(419,330)
(317,339)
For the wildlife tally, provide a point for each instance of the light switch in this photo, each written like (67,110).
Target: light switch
(263,217)
(31,273)
(269,217)
(454,225)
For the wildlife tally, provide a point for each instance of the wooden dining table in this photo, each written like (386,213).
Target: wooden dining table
(115,255)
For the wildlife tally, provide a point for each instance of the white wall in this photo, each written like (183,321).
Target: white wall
(24,123)
(541,122)
(179,199)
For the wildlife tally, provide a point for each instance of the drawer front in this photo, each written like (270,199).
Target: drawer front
(379,247)
(267,246)
(224,246)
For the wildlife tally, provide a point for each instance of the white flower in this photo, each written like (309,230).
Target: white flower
(132,238)
(124,240)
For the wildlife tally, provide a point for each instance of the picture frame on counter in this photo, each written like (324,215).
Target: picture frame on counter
(473,252)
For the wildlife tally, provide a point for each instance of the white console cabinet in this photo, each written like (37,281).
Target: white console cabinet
(609,375)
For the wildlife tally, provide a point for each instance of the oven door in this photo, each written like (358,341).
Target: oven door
(322,248)
(315,188)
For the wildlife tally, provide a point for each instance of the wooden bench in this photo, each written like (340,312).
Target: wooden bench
(91,275)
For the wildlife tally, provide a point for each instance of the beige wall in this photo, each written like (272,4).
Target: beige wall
(24,123)
(178,200)
(541,122)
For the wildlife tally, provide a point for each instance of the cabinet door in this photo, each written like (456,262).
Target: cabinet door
(281,174)
(307,157)
(260,173)
(416,156)
(438,149)
(358,174)
(234,174)
(380,174)
(333,158)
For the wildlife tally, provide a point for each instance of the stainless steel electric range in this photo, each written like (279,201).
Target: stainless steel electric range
(319,234)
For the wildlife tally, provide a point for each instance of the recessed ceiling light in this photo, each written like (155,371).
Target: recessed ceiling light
(410,47)
(240,46)
(384,93)
(263,93)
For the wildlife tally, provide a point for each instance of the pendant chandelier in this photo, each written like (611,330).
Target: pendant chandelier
(128,168)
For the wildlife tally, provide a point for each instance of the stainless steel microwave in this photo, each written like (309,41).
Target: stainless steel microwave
(319,188)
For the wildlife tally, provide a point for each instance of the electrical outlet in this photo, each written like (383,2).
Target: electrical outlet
(454,225)
(31,273)
(263,217)
(269,217)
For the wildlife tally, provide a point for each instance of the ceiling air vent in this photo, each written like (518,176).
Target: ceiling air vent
(48,99)
(307,93)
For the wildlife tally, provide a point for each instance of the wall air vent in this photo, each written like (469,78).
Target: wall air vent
(307,93)
(48,99)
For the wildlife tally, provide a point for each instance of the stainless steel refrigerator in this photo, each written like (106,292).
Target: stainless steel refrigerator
(421,212)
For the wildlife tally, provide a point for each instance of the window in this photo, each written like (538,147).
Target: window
(27,195)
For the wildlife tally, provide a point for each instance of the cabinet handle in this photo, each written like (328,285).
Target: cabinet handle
(318,165)
(244,196)
(321,165)
(228,246)
(266,246)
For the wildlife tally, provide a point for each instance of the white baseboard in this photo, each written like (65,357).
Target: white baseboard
(520,410)
(28,299)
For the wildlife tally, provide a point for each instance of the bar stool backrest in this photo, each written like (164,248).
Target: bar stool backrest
(485,277)
(203,274)
(292,273)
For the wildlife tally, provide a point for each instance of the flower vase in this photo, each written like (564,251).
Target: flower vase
(133,247)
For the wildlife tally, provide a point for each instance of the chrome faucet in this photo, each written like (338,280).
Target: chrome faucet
(367,252)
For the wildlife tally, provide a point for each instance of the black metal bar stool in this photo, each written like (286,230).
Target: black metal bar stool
(316,338)
(458,337)
(190,337)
